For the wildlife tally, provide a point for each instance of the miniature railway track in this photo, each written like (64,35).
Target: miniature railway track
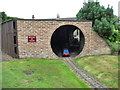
(94,83)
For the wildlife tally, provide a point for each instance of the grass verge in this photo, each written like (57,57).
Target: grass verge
(102,67)
(39,73)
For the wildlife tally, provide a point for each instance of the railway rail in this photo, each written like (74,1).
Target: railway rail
(93,82)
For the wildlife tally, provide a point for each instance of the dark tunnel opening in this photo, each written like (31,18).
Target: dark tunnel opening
(67,37)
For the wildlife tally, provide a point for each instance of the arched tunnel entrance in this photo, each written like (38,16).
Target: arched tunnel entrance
(67,37)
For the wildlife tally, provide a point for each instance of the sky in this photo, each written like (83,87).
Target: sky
(44,9)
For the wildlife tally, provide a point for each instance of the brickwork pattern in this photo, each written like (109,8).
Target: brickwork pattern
(43,30)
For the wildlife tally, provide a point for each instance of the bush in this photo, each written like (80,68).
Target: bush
(113,46)
(115,37)
(103,28)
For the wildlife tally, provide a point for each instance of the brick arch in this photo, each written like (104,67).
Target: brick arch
(63,38)
(81,26)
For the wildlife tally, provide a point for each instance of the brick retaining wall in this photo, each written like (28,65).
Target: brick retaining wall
(43,30)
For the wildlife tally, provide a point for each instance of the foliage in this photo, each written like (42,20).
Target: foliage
(113,45)
(103,18)
(114,40)
(115,37)
(103,27)
(4,17)
(91,11)
(102,67)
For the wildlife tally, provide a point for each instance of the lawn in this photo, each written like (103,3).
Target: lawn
(103,67)
(39,73)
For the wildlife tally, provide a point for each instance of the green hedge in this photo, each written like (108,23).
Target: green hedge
(113,45)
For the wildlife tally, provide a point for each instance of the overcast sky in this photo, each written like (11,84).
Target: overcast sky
(48,8)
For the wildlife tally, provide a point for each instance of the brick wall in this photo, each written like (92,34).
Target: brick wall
(43,30)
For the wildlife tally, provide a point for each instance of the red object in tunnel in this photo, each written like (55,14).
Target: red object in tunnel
(66,52)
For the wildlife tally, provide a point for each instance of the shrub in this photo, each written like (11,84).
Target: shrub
(113,46)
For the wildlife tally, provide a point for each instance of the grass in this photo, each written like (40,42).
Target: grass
(45,74)
(102,67)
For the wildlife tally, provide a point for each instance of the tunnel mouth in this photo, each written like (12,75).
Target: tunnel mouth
(69,38)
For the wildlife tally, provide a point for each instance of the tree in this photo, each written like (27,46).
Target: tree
(103,18)
(103,27)
(5,17)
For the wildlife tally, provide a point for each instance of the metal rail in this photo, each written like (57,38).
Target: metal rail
(93,82)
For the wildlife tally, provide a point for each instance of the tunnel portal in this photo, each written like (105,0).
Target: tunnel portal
(67,37)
